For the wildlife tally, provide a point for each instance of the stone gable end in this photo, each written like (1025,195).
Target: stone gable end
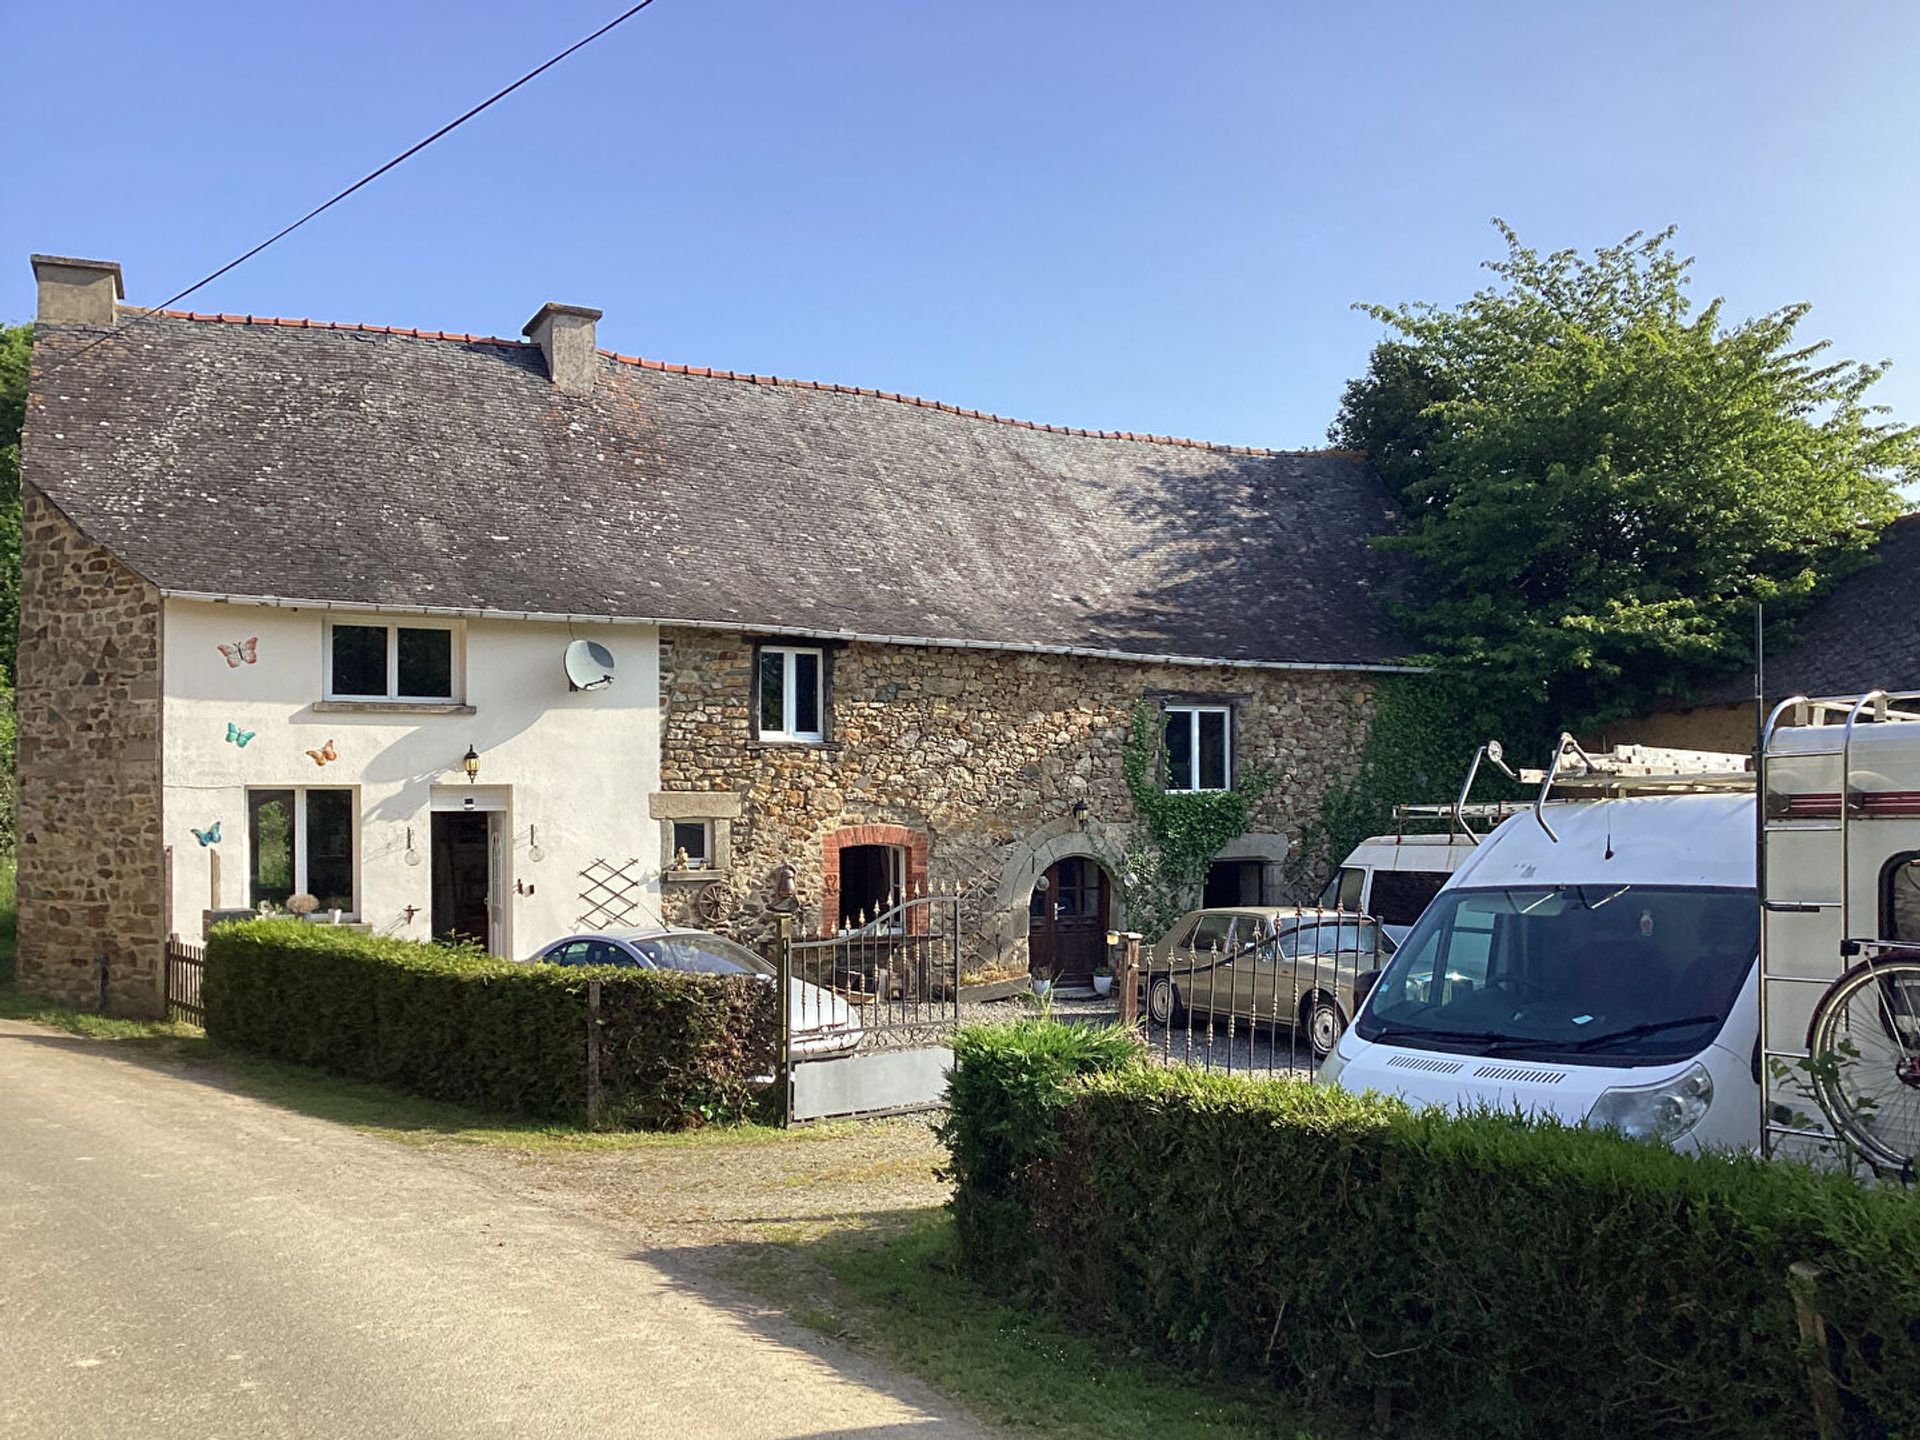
(87,695)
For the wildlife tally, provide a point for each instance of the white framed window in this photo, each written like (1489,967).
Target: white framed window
(301,841)
(1199,747)
(386,660)
(790,693)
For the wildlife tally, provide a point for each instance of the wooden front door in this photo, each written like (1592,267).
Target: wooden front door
(1067,921)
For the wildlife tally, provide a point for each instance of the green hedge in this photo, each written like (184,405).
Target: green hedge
(1497,1277)
(676,1050)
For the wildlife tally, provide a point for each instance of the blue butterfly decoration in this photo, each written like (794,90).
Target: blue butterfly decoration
(208,836)
(237,736)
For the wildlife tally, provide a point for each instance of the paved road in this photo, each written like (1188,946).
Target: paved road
(177,1260)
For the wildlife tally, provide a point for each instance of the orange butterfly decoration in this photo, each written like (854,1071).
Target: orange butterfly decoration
(324,754)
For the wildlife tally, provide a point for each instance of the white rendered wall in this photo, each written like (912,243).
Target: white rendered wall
(577,767)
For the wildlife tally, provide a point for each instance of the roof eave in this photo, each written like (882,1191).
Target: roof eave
(799,632)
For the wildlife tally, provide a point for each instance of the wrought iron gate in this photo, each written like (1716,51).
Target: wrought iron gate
(871,1010)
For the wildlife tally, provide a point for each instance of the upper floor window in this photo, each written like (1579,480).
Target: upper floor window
(792,691)
(1199,747)
(390,662)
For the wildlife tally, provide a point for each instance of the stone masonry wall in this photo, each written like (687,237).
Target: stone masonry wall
(87,696)
(983,752)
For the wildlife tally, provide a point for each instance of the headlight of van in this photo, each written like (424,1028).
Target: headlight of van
(1665,1111)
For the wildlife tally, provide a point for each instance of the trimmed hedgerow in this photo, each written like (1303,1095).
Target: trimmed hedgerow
(1498,1277)
(676,1050)
(1007,1081)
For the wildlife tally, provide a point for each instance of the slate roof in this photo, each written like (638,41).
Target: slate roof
(1862,636)
(235,456)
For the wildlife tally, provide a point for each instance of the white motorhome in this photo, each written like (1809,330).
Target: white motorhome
(1591,959)
(1690,966)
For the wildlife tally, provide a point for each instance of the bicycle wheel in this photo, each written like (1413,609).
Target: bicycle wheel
(1865,1043)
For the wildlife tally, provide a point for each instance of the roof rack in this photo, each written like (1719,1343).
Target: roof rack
(1460,815)
(1623,770)
(1634,770)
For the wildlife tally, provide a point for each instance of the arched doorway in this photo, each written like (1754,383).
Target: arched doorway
(1067,920)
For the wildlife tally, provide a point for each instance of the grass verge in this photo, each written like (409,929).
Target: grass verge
(361,1105)
(897,1292)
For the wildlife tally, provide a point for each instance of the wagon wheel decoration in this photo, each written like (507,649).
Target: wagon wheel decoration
(713,904)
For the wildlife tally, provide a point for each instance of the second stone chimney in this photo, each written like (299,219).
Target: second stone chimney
(77,292)
(564,334)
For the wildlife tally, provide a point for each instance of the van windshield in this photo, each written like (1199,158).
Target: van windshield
(1587,974)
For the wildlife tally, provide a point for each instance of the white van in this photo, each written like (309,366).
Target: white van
(1393,878)
(1605,976)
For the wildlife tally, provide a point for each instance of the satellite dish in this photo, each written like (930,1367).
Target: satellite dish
(589,665)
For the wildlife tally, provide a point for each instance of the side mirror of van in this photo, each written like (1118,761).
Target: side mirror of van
(1363,984)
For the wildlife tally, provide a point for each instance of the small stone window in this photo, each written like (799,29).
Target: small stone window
(1234,882)
(1199,747)
(693,840)
(790,694)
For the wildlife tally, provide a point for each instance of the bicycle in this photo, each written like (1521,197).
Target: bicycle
(1863,1045)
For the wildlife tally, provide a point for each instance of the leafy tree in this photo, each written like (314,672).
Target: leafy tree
(1600,481)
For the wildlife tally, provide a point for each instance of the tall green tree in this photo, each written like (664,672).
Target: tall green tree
(1601,481)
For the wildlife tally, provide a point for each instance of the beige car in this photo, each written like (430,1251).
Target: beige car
(1271,965)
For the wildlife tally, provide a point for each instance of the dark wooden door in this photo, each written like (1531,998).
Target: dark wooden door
(1067,921)
(460,877)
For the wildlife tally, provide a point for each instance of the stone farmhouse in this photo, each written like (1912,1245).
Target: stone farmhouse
(298,600)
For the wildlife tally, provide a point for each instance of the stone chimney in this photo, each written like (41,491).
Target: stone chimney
(564,334)
(76,292)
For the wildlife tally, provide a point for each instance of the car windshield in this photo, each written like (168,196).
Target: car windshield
(703,955)
(1588,974)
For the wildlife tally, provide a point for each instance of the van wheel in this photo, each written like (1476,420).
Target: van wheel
(1324,1025)
(1163,1001)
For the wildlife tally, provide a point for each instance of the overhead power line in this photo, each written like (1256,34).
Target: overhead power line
(360,184)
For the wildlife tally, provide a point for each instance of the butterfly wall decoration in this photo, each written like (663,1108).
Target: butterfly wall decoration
(325,754)
(208,836)
(241,652)
(237,736)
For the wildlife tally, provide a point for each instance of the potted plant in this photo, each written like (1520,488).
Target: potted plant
(1102,978)
(1042,985)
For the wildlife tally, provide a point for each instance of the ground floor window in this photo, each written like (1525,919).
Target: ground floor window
(692,845)
(1235,882)
(300,841)
(873,880)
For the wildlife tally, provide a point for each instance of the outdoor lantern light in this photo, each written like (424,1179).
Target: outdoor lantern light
(1080,812)
(470,762)
(413,855)
(534,852)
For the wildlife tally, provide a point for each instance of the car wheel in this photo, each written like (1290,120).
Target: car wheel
(1324,1024)
(1163,1001)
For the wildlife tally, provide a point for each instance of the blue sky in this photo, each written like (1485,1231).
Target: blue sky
(1117,215)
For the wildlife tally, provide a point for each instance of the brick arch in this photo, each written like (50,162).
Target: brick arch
(914,842)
